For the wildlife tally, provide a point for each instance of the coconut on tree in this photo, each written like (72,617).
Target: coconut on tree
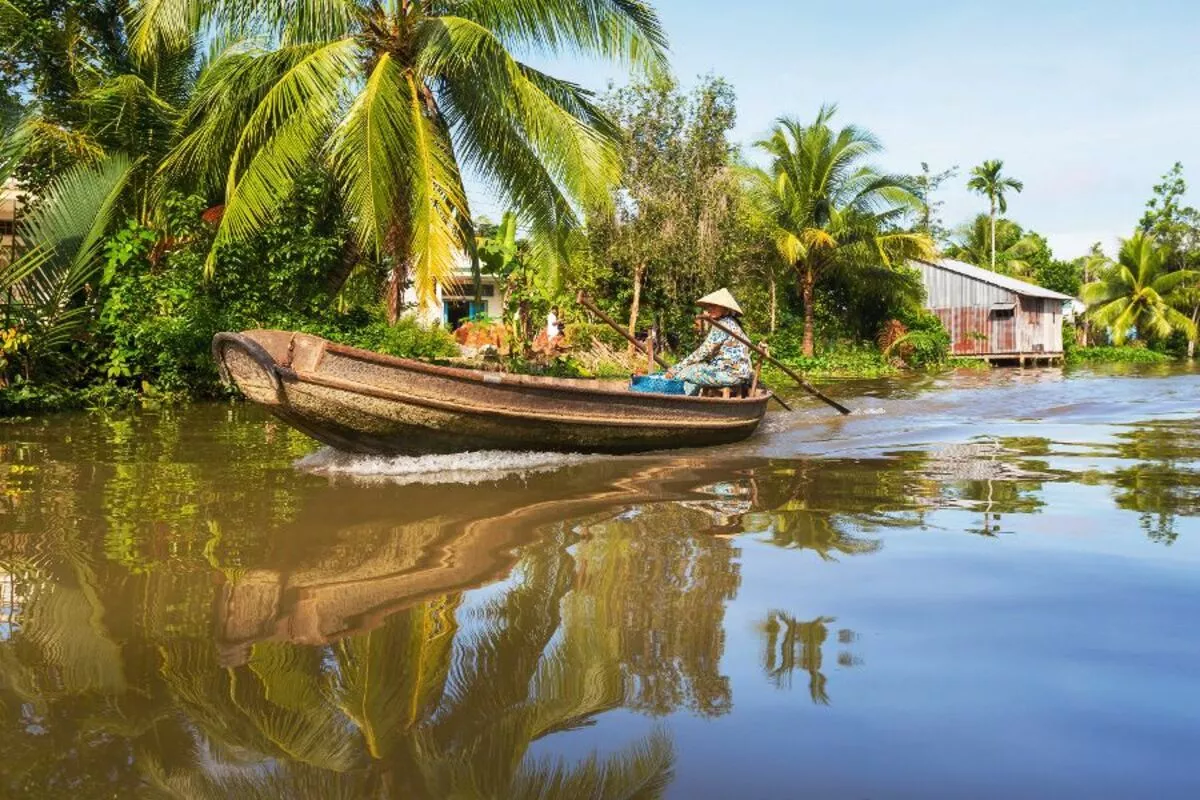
(988,179)
(829,211)
(399,100)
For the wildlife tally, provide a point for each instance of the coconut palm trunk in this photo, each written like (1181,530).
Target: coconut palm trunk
(774,303)
(992,217)
(807,284)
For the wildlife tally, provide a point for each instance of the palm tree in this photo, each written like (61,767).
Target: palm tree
(1000,242)
(1136,293)
(986,179)
(398,99)
(826,210)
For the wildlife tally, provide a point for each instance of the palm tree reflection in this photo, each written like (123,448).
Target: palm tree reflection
(1163,481)
(790,644)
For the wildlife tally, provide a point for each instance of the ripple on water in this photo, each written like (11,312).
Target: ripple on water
(478,466)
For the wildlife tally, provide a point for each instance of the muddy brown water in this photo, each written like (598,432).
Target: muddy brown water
(978,586)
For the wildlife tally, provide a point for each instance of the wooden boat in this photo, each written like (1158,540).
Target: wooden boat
(364,402)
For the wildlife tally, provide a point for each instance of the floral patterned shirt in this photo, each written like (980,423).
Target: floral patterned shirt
(720,361)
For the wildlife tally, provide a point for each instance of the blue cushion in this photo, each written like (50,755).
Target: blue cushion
(656,384)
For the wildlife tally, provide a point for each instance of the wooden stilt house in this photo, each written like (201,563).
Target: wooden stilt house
(992,316)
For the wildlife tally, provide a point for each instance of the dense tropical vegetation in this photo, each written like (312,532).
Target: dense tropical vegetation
(186,166)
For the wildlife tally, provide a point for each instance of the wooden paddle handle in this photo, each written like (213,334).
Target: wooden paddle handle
(585,301)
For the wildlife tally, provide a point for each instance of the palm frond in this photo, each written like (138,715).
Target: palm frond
(64,235)
(641,771)
(624,30)
(282,136)
(164,25)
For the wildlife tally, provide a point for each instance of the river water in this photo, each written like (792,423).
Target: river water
(979,585)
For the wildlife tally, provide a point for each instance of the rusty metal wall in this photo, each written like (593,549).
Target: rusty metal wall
(965,306)
(1040,325)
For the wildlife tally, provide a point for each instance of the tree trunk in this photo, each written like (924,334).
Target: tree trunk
(526,327)
(1195,323)
(351,255)
(398,275)
(397,281)
(638,273)
(806,290)
(992,216)
(774,304)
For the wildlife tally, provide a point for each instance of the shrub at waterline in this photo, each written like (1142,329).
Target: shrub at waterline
(155,311)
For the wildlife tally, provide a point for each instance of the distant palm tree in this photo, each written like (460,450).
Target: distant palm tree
(827,210)
(399,98)
(986,179)
(1136,293)
(1000,242)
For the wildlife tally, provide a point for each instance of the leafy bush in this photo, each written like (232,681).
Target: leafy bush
(157,310)
(844,362)
(920,340)
(582,335)
(1116,355)
(407,339)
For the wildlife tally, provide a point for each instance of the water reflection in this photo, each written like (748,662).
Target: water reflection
(791,644)
(182,614)
(1163,482)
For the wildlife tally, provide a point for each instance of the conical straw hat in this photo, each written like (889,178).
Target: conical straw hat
(721,298)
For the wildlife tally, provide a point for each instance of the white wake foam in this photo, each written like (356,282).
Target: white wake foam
(471,467)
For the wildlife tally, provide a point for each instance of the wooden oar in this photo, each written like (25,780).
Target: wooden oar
(585,301)
(788,370)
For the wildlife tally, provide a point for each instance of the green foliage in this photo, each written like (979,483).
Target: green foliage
(926,343)
(928,219)
(159,311)
(670,230)
(1116,355)
(1173,225)
(971,364)
(407,338)
(45,290)
(845,361)
(582,335)
(1061,276)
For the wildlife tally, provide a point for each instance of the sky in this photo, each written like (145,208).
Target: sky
(1088,103)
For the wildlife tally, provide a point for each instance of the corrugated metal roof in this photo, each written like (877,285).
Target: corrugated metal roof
(996,279)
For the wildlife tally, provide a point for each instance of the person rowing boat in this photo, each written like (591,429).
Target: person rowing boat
(722,360)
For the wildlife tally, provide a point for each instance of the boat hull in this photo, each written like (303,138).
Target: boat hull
(364,402)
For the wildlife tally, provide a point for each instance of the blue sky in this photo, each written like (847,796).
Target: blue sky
(1088,103)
